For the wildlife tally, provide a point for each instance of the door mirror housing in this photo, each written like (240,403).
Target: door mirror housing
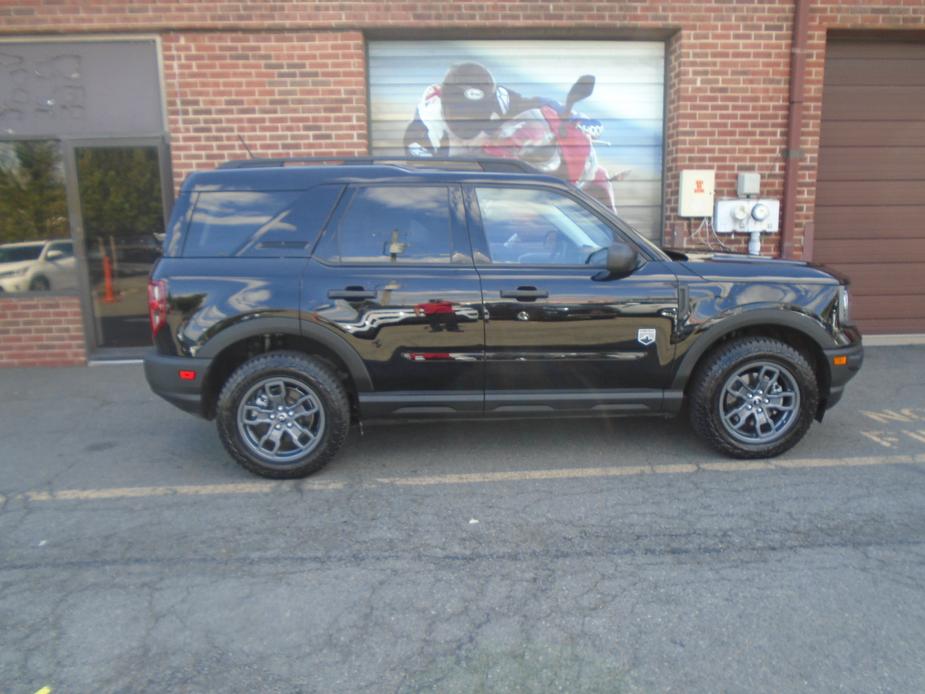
(621,261)
(54,255)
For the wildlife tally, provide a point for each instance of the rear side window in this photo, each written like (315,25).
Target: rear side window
(392,224)
(257,224)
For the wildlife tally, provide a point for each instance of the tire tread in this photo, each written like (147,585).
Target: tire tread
(329,387)
(715,368)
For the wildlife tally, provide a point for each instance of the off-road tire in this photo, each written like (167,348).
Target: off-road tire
(708,382)
(301,367)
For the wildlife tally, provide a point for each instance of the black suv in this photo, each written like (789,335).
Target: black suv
(292,300)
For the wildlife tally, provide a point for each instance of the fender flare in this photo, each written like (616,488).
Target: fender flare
(781,318)
(292,326)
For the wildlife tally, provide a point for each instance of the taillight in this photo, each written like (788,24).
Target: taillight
(157,304)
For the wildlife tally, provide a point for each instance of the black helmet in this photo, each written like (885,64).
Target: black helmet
(469,99)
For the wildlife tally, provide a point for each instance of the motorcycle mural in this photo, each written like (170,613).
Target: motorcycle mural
(469,112)
(560,142)
(589,112)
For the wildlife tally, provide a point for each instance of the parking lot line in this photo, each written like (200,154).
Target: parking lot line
(266,487)
(684,468)
(179,490)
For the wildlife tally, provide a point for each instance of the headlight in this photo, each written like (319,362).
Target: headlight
(844,315)
(14,273)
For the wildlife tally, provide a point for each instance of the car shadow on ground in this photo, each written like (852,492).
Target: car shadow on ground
(436,447)
(457,446)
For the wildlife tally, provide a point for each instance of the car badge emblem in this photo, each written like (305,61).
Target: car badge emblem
(645,336)
(474,94)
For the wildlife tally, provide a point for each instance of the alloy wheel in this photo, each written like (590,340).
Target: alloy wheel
(759,402)
(281,419)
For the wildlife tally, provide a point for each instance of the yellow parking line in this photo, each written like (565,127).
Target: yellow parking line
(183,490)
(636,470)
(517,475)
(465,478)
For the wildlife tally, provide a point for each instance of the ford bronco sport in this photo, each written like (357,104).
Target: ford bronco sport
(293,300)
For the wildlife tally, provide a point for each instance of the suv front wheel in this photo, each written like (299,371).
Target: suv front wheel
(754,398)
(283,415)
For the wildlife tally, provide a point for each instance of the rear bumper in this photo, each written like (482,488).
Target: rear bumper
(163,375)
(840,374)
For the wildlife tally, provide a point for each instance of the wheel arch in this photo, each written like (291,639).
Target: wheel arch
(796,329)
(238,343)
(40,276)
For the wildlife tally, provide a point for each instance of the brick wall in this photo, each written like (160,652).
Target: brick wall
(286,94)
(289,77)
(45,331)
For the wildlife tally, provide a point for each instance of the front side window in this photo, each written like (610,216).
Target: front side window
(61,250)
(394,224)
(532,226)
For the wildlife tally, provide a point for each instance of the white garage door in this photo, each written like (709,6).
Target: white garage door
(508,98)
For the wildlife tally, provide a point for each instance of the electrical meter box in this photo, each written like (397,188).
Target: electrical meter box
(695,198)
(747,215)
(748,184)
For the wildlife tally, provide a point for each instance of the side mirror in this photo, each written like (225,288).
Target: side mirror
(621,259)
(54,255)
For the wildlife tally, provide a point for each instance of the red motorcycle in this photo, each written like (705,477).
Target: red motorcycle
(557,141)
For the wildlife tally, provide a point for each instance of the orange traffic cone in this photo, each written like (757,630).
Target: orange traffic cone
(109,296)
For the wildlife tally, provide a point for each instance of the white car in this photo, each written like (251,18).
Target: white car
(37,266)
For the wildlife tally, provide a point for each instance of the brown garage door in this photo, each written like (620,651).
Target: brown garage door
(870,193)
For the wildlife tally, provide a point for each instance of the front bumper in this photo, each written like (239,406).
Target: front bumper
(841,373)
(13,285)
(163,375)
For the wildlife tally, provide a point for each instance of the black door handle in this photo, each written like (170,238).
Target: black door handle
(351,294)
(524,294)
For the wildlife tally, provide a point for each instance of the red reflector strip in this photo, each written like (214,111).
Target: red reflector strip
(187,375)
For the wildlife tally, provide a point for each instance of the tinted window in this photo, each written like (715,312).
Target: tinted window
(65,247)
(394,224)
(529,226)
(19,253)
(224,223)
(292,232)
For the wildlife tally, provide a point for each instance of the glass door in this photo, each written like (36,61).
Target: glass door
(119,206)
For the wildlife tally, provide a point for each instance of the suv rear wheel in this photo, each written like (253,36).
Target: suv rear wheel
(754,398)
(283,415)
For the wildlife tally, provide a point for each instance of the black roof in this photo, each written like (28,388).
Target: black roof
(283,174)
(495,164)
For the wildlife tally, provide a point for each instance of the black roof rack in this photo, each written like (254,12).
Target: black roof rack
(491,164)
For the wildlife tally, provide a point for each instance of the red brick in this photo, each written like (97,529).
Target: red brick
(290,77)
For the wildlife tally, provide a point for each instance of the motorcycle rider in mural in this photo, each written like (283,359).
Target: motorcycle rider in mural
(469,114)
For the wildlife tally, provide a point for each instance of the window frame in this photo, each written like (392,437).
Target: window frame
(479,240)
(460,251)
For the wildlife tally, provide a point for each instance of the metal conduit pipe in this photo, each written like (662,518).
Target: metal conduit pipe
(793,153)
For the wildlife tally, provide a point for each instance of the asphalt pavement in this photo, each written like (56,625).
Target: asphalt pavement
(512,556)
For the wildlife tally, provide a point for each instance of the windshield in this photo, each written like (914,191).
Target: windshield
(17,254)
